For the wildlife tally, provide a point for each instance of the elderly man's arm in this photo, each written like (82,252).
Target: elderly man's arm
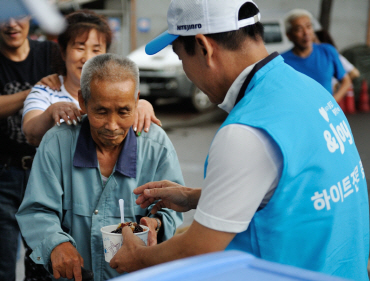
(168,169)
(41,212)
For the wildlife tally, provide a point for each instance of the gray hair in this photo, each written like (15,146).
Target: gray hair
(295,14)
(110,67)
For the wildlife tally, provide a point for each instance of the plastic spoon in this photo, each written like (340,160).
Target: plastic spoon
(121,208)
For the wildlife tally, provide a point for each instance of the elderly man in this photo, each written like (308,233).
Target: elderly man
(319,61)
(80,173)
(283,178)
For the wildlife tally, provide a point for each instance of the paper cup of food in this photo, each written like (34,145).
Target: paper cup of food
(112,237)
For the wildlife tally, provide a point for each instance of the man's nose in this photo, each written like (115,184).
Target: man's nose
(111,123)
(11,22)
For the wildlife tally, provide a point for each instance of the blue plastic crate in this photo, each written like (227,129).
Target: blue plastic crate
(227,265)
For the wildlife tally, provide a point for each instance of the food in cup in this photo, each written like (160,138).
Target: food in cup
(112,242)
(136,228)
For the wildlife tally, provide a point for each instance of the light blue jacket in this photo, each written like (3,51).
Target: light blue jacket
(65,199)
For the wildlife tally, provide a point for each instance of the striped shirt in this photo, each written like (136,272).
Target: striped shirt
(41,97)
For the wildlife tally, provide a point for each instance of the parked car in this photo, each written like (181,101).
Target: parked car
(162,76)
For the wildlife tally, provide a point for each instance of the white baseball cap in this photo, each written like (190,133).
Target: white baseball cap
(192,17)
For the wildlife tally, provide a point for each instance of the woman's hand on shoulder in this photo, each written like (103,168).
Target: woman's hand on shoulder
(67,111)
(144,117)
(52,81)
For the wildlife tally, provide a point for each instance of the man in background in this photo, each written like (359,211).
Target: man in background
(318,61)
(23,62)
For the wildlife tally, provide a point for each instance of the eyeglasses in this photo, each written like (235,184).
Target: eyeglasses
(20,18)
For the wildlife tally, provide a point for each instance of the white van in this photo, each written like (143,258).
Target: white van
(162,76)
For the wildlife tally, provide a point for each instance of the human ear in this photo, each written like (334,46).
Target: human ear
(81,101)
(206,46)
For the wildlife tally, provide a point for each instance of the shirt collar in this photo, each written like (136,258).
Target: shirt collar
(85,155)
(232,93)
(237,89)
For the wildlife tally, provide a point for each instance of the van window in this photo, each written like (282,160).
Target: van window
(272,33)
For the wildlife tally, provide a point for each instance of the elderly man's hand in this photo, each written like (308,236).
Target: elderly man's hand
(66,262)
(144,116)
(126,258)
(170,195)
(152,224)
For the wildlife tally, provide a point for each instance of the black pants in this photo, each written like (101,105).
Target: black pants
(13,181)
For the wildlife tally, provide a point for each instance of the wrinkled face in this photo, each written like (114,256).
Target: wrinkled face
(111,111)
(14,32)
(198,73)
(83,48)
(302,33)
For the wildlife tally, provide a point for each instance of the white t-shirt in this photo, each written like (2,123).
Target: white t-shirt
(348,67)
(244,168)
(41,97)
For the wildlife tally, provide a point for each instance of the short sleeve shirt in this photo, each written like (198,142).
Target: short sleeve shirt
(19,76)
(41,97)
(321,65)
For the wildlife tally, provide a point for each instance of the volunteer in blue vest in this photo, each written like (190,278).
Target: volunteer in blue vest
(283,178)
(319,61)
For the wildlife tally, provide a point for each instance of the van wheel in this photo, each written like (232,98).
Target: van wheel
(200,101)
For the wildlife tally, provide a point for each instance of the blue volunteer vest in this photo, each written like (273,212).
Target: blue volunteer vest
(318,217)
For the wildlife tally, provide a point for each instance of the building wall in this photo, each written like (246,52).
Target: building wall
(156,11)
(348,18)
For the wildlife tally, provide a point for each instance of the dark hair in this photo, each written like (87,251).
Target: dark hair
(230,40)
(79,23)
(324,37)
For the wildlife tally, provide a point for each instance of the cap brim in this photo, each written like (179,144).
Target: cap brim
(160,42)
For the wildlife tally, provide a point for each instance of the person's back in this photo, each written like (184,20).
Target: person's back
(309,221)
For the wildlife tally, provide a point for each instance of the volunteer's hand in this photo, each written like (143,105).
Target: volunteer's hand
(126,258)
(63,110)
(52,81)
(152,224)
(66,262)
(170,195)
(144,116)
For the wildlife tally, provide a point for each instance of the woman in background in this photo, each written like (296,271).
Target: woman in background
(87,35)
